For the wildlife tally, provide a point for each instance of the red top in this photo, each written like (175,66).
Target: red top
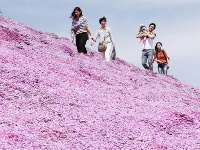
(161,56)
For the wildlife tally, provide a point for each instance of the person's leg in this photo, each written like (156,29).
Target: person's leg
(162,70)
(159,69)
(78,37)
(82,42)
(144,59)
(108,52)
(150,54)
(87,37)
(165,68)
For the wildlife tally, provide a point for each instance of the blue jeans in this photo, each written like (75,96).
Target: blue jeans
(162,68)
(147,54)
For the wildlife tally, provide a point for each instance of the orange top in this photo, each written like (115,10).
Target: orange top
(161,55)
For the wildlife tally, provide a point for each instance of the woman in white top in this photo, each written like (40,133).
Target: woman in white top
(104,33)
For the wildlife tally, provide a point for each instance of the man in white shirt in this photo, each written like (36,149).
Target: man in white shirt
(148,48)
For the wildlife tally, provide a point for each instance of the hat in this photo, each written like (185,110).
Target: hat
(142,25)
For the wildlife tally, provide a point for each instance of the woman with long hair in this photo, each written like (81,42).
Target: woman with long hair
(80,30)
(161,57)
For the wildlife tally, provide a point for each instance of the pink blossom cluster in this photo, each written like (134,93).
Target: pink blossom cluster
(52,98)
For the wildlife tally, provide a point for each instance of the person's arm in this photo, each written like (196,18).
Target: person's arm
(94,39)
(158,61)
(74,28)
(141,35)
(151,36)
(84,24)
(89,31)
(167,57)
(72,34)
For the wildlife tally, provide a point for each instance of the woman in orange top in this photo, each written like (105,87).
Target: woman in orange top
(161,57)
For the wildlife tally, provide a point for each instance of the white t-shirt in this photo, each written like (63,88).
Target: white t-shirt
(148,42)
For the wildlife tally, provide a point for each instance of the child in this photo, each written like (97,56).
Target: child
(142,30)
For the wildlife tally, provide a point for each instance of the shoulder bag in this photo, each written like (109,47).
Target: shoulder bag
(102,46)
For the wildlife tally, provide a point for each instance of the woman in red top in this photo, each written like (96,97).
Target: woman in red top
(161,57)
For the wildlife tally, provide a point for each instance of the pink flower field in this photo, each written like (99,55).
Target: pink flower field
(52,98)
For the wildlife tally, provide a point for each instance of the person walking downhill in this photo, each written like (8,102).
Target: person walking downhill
(80,30)
(161,57)
(105,35)
(148,49)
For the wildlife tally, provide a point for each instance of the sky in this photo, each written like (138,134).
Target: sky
(177,26)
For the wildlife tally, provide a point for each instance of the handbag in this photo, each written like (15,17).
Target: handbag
(113,54)
(102,46)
